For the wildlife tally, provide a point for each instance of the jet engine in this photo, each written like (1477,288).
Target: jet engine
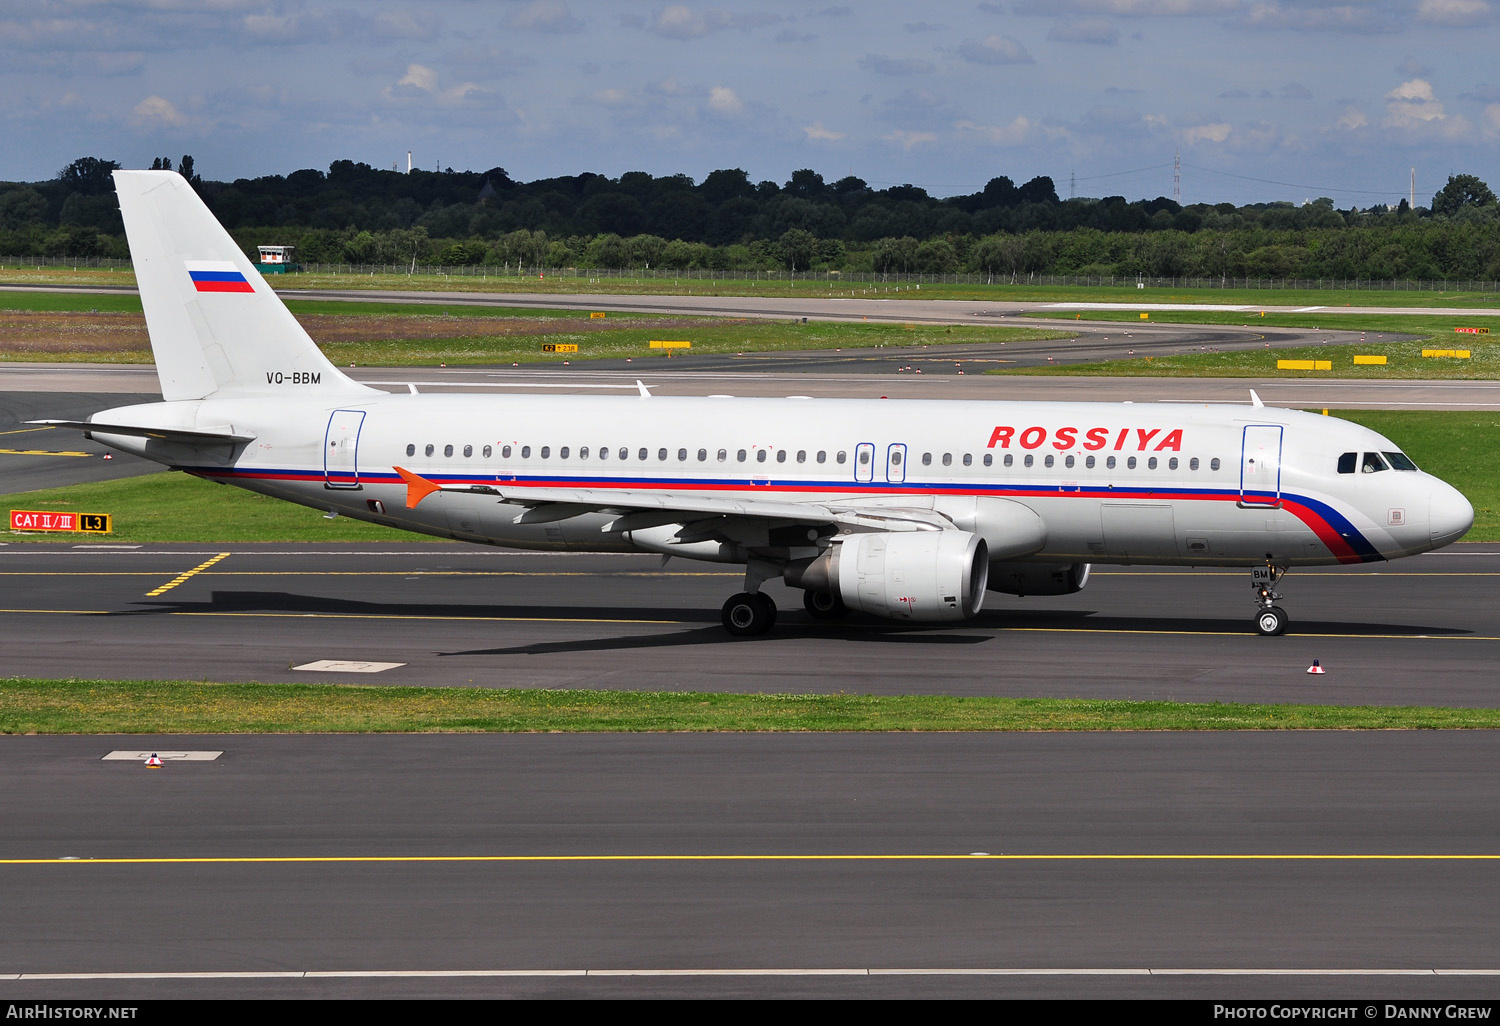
(1038,578)
(916,575)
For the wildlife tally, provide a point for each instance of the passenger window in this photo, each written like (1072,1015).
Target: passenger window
(1193,463)
(643,454)
(927,459)
(1372,463)
(1172,463)
(760,455)
(604,452)
(661,455)
(1109,463)
(1213,464)
(864,457)
(801,455)
(1151,463)
(583,452)
(989,459)
(740,456)
(1068,461)
(562,453)
(447,450)
(468,451)
(822,456)
(1347,460)
(411,450)
(681,455)
(702,455)
(525,452)
(428,450)
(1048,461)
(1088,461)
(842,456)
(1400,461)
(968,460)
(546,451)
(624,453)
(723,455)
(947,459)
(1130,463)
(1009,459)
(505,451)
(896,458)
(780,455)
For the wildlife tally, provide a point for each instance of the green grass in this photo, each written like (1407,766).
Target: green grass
(179,508)
(999,291)
(1404,358)
(1457,446)
(30,706)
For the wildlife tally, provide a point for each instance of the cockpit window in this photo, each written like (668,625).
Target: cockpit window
(1400,461)
(1347,462)
(1372,463)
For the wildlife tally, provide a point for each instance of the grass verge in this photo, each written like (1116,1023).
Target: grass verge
(30,706)
(1404,358)
(169,507)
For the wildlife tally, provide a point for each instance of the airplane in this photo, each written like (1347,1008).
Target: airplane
(910,510)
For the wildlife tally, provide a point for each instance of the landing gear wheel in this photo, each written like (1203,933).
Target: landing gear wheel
(746,614)
(824,605)
(1271,621)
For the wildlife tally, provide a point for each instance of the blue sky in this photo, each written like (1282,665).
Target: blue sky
(1266,99)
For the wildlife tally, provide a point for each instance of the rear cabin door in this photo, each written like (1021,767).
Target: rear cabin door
(341,449)
(1260,466)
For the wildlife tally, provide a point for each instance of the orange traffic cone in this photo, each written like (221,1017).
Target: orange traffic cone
(154,762)
(1316,667)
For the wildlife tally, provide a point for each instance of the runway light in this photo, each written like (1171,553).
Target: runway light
(1316,667)
(154,762)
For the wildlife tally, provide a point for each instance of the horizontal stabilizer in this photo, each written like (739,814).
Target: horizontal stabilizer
(224,435)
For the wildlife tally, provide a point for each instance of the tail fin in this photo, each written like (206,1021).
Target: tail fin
(216,327)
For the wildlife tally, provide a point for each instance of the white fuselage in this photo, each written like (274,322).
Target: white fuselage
(1110,482)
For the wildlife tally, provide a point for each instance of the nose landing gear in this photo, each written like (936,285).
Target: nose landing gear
(1271,620)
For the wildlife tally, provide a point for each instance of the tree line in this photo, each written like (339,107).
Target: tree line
(358,214)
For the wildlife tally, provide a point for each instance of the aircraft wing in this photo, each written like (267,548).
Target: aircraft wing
(547,503)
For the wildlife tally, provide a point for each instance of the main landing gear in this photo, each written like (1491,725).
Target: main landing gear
(1271,620)
(751,611)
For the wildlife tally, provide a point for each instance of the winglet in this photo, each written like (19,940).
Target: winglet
(645,392)
(417,488)
(1255,399)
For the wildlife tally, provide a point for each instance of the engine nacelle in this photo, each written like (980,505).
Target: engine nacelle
(1038,578)
(916,575)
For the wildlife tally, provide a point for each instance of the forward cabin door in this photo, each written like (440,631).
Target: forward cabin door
(1260,466)
(341,449)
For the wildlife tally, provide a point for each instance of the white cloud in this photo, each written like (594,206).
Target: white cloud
(818,132)
(679,21)
(1412,103)
(1351,18)
(545,16)
(1129,8)
(1492,120)
(421,79)
(1353,118)
(1215,132)
(994,50)
(881,64)
(909,139)
(722,100)
(157,112)
(1454,12)
(1013,134)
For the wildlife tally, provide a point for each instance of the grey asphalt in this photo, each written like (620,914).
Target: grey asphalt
(1420,631)
(1135,848)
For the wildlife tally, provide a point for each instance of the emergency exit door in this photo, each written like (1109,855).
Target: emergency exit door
(341,449)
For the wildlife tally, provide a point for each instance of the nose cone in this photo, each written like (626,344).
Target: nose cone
(1449,514)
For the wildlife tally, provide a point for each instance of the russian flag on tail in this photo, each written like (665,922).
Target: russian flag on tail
(217,276)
